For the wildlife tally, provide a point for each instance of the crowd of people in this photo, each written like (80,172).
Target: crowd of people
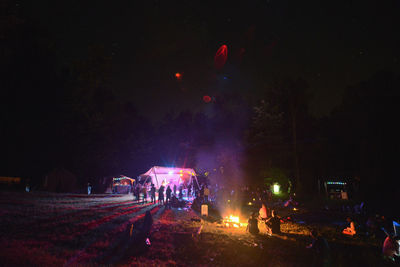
(267,220)
(169,195)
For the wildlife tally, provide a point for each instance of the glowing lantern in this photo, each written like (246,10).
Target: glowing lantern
(276,188)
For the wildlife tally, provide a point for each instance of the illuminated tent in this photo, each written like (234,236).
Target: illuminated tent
(122,184)
(169,175)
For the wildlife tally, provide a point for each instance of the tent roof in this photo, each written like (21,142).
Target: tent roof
(169,175)
(168,170)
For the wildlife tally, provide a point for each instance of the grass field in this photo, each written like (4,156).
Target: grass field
(45,229)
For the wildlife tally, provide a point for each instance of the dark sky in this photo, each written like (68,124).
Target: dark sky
(331,44)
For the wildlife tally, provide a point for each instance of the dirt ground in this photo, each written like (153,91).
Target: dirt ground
(42,229)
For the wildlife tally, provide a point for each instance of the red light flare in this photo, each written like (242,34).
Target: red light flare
(207,99)
(178,76)
(221,57)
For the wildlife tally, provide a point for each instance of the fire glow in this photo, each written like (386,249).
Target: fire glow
(233,221)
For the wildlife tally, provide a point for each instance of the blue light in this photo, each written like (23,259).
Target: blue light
(340,183)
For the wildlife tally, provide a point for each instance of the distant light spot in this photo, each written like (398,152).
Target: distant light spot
(206,99)
(178,76)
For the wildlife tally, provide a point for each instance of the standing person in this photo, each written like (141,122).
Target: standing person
(180,193)
(137,192)
(89,188)
(321,248)
(161,194)
(144,191)
(189,191)
(27,187)
(175,190)
(206,193)
(153,193)
(168,193)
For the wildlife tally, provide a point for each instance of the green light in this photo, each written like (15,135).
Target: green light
(276,188)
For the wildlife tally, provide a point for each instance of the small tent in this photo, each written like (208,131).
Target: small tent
(169,175)
(122,184)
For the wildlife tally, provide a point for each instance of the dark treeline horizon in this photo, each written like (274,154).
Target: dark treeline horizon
(70,113)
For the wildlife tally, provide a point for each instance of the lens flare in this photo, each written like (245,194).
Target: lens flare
(221,57)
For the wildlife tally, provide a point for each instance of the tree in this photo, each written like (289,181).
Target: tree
(279,123)
(363,134)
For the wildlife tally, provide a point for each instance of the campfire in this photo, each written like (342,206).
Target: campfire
(233,221)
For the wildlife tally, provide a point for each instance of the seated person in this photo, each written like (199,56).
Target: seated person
(252,225)
(390,248)
(273,223)
(321,248)
(351,230)
(263,212)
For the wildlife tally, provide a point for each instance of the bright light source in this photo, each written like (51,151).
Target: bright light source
(178,76)
(276,188)
(170,172)
(234,218)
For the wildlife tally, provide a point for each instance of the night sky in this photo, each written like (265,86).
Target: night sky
(331,44)
(91,86)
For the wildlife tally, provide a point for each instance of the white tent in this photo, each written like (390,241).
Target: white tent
(169,175)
